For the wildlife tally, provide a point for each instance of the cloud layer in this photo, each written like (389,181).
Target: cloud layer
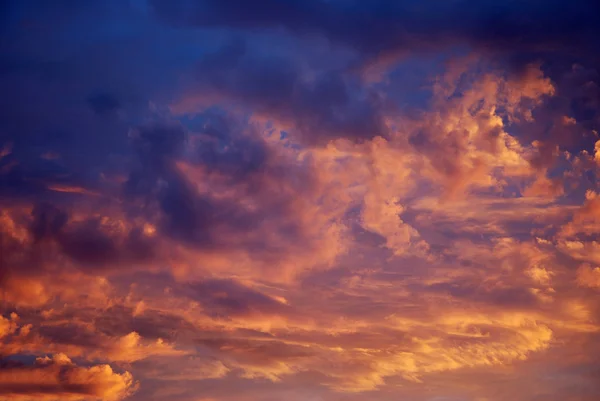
(302,200)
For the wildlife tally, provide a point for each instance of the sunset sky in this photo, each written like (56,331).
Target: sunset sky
(299,200)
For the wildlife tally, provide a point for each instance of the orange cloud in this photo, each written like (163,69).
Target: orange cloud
(588,276)
(454,248)
(57,377)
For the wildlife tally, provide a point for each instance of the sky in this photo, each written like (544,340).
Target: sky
(299,200)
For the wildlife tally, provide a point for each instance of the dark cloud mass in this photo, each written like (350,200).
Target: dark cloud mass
(103,103)
(384,25)
(328,106)
(303,200)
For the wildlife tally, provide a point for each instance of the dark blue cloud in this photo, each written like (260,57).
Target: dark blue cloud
(103,103)
(74,77)
(387,25)
(333,104)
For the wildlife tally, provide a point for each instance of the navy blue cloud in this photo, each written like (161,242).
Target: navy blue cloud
(74,77)
(334,104)
(103,103)
(386,25)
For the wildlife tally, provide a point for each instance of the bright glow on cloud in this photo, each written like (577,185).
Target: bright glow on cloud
(301,200)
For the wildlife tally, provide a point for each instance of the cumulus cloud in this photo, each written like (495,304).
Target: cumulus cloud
(588,276)
(57,377)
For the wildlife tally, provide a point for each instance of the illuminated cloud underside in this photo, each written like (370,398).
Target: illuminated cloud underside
(213,201)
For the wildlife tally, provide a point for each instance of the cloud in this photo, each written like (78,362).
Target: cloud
(233,299)
(103,103)
(189,368)
(215,190)
(588,276)
(326,107)
(83,341)
(308,200)
(7,326)
(465,140)
(386,26)
(59,378)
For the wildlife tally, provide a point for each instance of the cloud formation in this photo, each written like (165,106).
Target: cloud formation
(301,200)
(57,377)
